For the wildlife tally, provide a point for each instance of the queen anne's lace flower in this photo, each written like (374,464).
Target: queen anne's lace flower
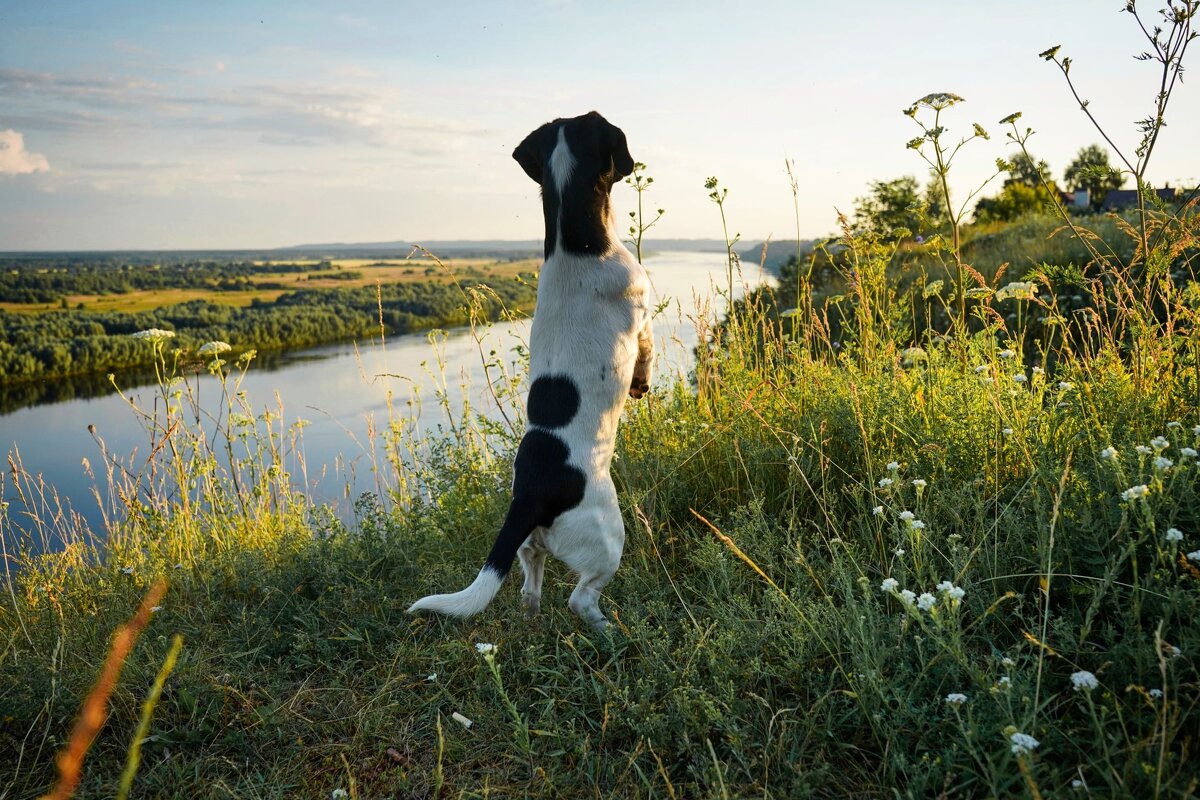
(154,335)
(1108,453)
(885,482)
(1161,463)
(213,348)
(1160,443)
(1023,743)
(907,516)
(1084,680)
(956,698)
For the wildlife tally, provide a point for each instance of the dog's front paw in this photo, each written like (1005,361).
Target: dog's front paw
(638,388)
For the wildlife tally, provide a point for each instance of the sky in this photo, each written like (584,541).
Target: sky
(222,125)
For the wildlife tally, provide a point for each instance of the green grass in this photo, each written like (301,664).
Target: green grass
(301,673)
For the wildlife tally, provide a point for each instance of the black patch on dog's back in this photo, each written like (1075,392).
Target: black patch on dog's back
(553,401)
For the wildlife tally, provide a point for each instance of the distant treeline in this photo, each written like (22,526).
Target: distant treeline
(24,280)
(77,342)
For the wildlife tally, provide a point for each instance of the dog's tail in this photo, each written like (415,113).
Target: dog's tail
(520,521)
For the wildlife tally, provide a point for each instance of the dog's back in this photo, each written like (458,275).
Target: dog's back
(589,348)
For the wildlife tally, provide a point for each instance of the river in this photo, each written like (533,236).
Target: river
(341,390)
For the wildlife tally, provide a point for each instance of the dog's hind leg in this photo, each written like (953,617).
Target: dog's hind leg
(590,541)
(533,564)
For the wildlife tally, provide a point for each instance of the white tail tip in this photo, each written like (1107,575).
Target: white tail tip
(467,603)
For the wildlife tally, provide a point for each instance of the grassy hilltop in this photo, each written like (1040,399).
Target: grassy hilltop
(922,523)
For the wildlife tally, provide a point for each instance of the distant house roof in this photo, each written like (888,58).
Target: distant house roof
(1117,199)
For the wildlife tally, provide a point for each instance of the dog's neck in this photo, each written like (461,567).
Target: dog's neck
(576,205)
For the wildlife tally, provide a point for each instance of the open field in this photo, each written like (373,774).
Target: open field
(373,271)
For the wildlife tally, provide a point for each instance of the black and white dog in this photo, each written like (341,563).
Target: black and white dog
(590,346)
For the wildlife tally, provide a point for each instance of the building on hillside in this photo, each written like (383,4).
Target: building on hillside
(1118,199)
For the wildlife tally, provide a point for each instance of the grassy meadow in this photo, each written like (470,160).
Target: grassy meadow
(884,543)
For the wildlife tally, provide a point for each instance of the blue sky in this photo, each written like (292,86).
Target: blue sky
(222,124)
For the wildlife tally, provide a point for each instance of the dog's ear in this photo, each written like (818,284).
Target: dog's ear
(533,151)
(614,137)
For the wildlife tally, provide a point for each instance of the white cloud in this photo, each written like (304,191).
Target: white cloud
(15,159)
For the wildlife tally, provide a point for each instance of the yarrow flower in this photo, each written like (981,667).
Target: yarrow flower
(1066,386)
(919,483)
(956,698)
(908,596)
(1084,680)
(1135,492)
(926,601)
(1155,693)
(1017,290)
(1160,443)
(1007,663)
(1023,743)
(917,524)
(1187,452)
(485,647)
(213,348)
(339,794)
(1006,354)
(154,335)
(1194,556)
(907,516)
(877,511)
(892,466)
(1108,453)
(889,585)
(1174,535)
(1020,377)
(1161,463)
(1143,450)
(1175,424)
(885,482)
(1006,431)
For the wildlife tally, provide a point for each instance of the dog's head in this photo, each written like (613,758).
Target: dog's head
(596,151)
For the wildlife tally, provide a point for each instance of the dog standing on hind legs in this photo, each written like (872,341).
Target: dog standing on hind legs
(590,346)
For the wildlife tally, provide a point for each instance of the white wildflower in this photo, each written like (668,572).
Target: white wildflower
(1020,377)
(1161,463)
(885,482)
(126,570)
(1160,443)
(919,483)
(1196,430)
(431,677)
(1004,682)
(987,380)
(1017,290)
(907,516)
(1007,663)
(1155,693)
(1007,354)
(1135,492)
(1108,453)
(1077,784)
(889,585)
(1174,651)
(213,348)
(1006,431)
(155,609)
(892,466)
(956,698)
(1023,743)
(1084,680)
(1175,424)
(899,551)
(877,511)
(1174,535)
(944,586)
(1143,450)
(1066,386)
(1187,452)
(907,596)
(339,794)
(926,601)
(1194,556)
(956,593)
(485,647)
(917,525)
(461,720)
(982,368)
(154,335)
(1038,371)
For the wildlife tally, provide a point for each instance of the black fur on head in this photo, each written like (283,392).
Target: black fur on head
(598,146)
(601,158)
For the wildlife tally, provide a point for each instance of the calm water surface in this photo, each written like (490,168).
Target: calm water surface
(341,390)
